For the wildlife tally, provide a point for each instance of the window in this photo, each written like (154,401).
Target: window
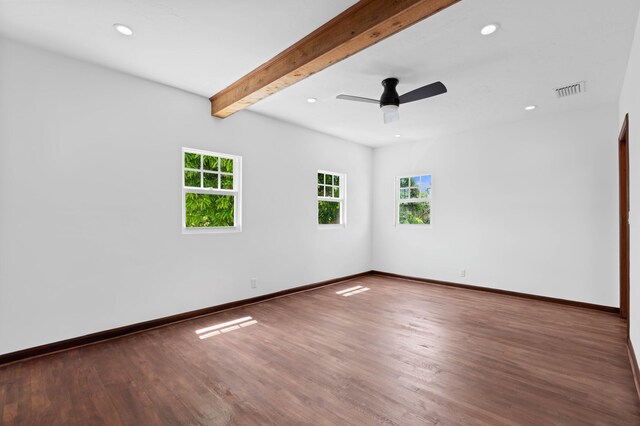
(210,191)
(413,200)
(331,198)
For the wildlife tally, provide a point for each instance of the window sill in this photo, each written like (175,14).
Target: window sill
(220,230)
(327,227)
(414,226)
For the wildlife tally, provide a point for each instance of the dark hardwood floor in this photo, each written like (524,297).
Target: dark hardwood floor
(401,353)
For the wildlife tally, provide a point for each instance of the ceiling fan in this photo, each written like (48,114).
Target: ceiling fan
(390,100)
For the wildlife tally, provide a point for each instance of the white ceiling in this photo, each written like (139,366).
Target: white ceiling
(203,45)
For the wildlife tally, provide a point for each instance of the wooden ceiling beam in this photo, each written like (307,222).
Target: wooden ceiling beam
(362,25)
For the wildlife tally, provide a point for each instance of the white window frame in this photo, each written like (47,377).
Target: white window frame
(342,200)
(412,200)
(236,192)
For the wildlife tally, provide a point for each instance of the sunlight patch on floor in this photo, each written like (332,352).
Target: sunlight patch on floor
(353,290)
(225,327)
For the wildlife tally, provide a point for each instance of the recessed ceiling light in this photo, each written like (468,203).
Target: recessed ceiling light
(123,29)
(312,100)
(397,136)
(489,29)
(530,108)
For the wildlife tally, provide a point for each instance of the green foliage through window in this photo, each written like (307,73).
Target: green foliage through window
(226,181)
(328,213)
(415,213)
(210,180)
(208,185)
(209,210)
(210,163)
(330,198)
(208,171)
(414,207)
(227,165)
(328,185)
(192,179)
(191,160)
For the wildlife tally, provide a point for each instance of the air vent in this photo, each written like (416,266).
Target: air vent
(572,89)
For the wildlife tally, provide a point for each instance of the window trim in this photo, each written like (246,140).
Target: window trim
(342,200)
(236,192)
(399,200)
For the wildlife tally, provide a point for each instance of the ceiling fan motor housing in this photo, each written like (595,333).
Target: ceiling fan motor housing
(390,94)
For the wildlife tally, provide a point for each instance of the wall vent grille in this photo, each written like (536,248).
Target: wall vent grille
(572,89)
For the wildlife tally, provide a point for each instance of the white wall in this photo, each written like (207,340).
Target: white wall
(630,103)
(90,235)
(90,203)
(528,207)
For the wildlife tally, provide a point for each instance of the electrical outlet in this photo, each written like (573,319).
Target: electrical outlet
(254,282)
(463,272)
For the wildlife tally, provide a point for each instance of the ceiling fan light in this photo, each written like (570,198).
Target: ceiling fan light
(390,113)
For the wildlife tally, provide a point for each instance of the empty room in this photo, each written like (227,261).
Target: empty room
(339,212)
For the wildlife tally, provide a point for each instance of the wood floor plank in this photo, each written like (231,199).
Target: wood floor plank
(402,353)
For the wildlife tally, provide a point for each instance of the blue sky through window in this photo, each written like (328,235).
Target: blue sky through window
(415,187)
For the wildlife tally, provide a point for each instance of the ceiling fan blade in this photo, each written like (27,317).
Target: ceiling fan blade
(424,92)
(357,99)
